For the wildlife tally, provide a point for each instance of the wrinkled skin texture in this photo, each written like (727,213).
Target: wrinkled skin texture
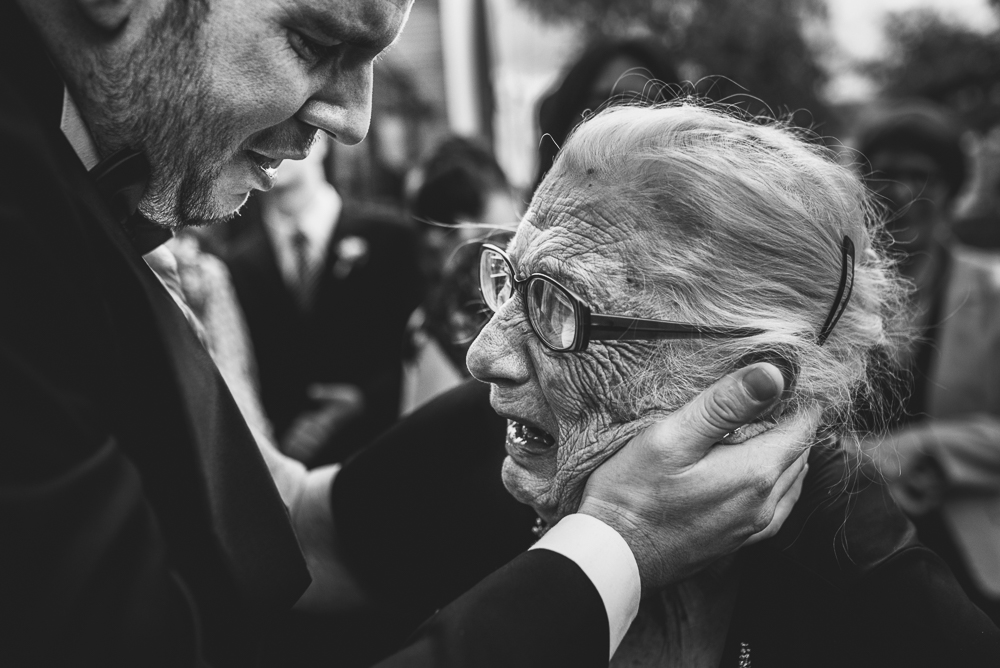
(572,234)
(580,235)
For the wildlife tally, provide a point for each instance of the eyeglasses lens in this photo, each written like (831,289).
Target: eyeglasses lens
(494,279)
(551,311)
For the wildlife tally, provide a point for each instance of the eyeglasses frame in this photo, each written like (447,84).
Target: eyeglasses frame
(592,326)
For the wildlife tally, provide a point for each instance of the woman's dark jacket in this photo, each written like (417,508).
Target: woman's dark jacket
(845,583)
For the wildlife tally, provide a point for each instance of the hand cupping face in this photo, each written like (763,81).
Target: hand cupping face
(569,412)
(655,260)
(558,404)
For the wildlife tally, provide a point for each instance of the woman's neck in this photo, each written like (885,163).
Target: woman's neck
(685,624)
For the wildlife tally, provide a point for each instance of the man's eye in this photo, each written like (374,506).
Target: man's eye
(311,50)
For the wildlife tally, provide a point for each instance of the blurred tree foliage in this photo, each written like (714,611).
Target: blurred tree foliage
(768,50)
(931,57)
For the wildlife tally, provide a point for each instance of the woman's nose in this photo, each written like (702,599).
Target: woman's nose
(498,354)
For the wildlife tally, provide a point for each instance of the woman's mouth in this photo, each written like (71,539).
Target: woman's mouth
(527,438)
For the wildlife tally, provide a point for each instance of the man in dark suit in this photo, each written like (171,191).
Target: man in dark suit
(140,524)
(326,288)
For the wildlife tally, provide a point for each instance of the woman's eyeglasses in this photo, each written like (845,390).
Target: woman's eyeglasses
(563,320)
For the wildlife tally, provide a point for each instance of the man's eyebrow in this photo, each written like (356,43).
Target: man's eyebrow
(354,32)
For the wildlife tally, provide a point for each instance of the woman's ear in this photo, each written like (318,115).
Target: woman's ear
(789,368)
(108,15)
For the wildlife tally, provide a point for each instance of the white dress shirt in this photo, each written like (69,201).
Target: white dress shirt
(75,130)
(317,223)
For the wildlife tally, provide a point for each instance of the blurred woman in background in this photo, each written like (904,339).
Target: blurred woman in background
(457,197)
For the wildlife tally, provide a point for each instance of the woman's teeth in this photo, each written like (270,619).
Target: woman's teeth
(523,434)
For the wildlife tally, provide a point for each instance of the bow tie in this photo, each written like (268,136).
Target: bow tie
(121,179)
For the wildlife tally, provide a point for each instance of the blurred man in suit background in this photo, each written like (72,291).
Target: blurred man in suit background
(326,290)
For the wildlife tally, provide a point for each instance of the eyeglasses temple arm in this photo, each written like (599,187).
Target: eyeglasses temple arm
(624,328)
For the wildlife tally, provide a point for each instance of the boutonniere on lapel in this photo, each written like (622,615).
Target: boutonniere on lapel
(351,252)
(744,655)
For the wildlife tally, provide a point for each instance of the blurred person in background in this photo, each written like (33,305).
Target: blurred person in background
(978,221)
(621,70)
(941,453)
(326,289)
(457,197)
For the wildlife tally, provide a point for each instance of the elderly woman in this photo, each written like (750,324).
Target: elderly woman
(666,247)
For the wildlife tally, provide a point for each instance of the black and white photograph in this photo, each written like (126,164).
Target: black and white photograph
(500,333)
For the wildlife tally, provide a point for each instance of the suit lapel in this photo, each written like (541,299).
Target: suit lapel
(247,517)
(328,286)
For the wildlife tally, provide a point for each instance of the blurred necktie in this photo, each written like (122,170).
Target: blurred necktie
(306,270)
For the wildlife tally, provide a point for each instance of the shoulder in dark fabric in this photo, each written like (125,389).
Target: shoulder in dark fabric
(845,582)
(139,468)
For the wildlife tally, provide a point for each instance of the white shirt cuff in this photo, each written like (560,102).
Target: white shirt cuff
(606,559)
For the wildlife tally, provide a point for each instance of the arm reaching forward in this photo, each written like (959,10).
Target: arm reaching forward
(676,499)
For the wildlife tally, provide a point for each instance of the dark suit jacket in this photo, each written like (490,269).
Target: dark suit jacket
(131,484)
(352,332)
(139,524)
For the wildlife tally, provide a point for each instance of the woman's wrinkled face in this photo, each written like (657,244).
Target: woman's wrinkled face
(559,407)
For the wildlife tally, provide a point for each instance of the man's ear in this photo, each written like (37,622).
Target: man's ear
(107,15)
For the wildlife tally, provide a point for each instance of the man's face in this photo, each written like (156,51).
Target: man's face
(218,98)
(916,192)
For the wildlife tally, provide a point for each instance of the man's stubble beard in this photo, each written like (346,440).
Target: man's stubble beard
(157,99)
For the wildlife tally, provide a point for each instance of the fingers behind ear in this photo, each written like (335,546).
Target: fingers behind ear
(733,401)
(774,465)
(763,459)
(785,495)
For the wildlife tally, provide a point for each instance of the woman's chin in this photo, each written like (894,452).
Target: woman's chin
(532,488)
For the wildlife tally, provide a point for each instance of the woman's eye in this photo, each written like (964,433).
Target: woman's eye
(309,49)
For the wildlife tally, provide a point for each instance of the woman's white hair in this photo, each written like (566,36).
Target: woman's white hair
(741,223)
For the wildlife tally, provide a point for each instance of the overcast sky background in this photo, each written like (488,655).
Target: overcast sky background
(857,24)
(530,57)
(857,30)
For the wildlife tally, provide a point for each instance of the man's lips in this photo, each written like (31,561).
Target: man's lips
(269,159)
(266,164)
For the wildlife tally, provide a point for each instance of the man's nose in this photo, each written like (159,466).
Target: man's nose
(343,106)
(498,355)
